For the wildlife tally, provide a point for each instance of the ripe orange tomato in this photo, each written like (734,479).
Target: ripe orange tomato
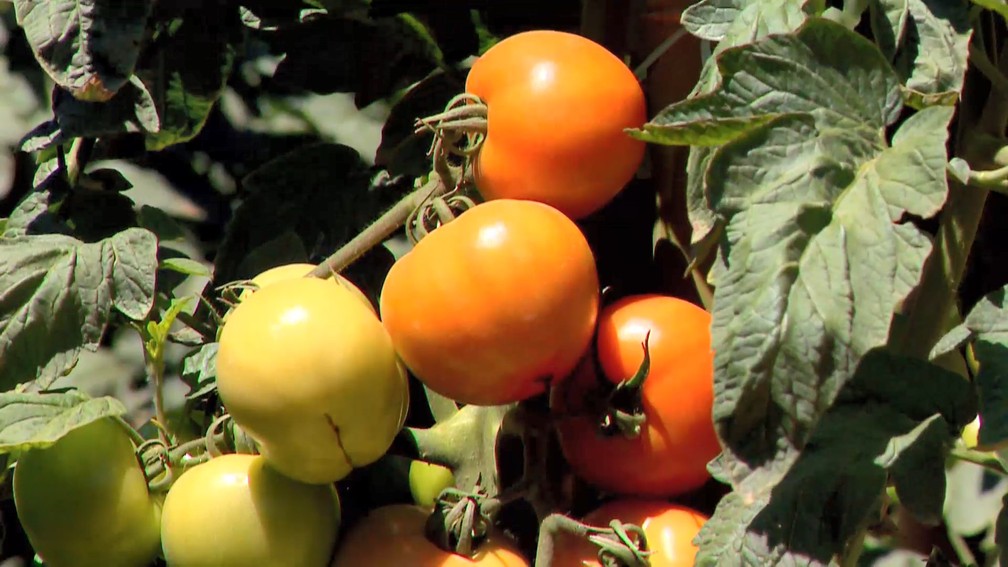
(394,535)
(558,104)
(669,529)
(677,441)
(489,308)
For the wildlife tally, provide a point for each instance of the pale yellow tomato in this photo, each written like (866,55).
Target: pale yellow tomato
(237,511)
(310,373)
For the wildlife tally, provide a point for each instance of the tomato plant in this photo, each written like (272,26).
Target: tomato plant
(677,439)
(822,180)
(83,501)
(465,317)
(542,85)
(302,363)
(237,510)
(394,535)
(669,528)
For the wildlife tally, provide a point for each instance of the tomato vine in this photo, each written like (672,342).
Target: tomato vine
(729,268)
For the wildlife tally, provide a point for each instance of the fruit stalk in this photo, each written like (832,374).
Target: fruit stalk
(380,229)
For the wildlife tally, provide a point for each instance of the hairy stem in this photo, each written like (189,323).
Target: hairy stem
(80,152)
(936,295)
(980,458)
(379,230)
(153,470)
(154,363)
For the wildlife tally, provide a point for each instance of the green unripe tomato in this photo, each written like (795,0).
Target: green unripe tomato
(237,511)
(427,480)
(84,501)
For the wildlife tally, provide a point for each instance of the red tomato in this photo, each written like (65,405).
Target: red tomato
(489,308)
(669,529)
(558,104)
(394,535)
(677,440)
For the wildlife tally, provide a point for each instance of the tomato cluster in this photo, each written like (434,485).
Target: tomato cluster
(499,306)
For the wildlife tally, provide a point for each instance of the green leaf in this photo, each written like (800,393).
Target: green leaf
(58,296)
(105,179)
(756,21)
(199,371)
(88,47)
(186,266)
(371,59)
(35,214)
(711,19)
(814,201)
(817,261)
(987,323)
(188,66)
(802,512)
(917,471)
(158,331)
(933,59)
(999,6)
(94,211)
(160,223)
(888,24)
(322,193)
(132,109)
(804,73)
(38,420)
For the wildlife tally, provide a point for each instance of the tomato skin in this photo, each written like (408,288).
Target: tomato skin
(310,373)
(235,510)
(394,535)
(677,441)
(491,306)
(558,104)
(298,270)
(83,502)
(669,529)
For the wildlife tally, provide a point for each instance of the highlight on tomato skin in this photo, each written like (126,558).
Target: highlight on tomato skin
(677,439)
(558,107)
(491,306)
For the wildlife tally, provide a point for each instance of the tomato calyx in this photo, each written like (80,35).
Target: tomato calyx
(623,411)
(619,544)
(161,461)
(460,521)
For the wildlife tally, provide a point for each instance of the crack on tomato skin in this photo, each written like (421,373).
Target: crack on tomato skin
(339,440)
